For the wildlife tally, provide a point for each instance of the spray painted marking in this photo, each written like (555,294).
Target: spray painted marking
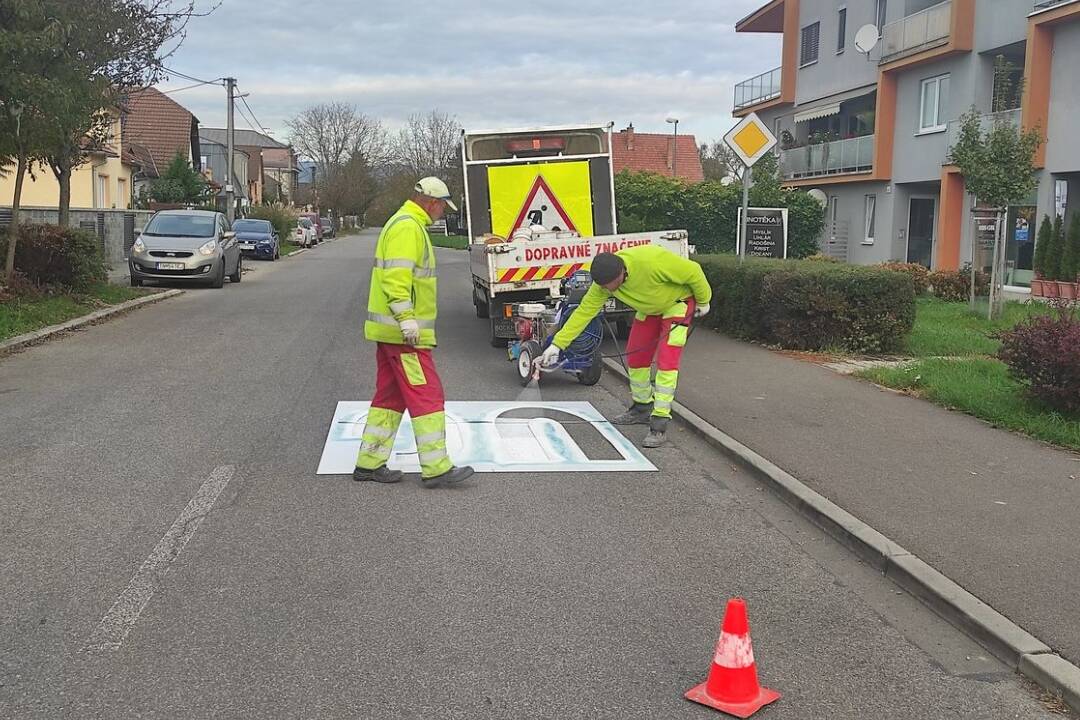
(122,616)
(478,434)
(734,651)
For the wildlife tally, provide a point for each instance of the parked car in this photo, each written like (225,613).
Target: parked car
(257,238)
(186,245)
(314,218)
(305,232)
(328,230)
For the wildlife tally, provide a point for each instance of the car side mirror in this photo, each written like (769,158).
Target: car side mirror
(229,235)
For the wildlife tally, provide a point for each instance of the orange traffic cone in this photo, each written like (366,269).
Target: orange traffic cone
(732,686)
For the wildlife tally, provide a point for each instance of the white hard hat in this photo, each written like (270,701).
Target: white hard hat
(436,188)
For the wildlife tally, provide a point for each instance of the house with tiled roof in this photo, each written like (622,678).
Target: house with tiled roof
(271,163)
(663,154)
(155,128)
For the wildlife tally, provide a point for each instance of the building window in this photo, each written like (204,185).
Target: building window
(879,16)
(121,193)
(841,29)
(871,219)
(935,97)
(104,198)
(811,35)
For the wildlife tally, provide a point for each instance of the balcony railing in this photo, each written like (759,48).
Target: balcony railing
(987,121)
(854,155)
(920,31)
(1047,4)
(765,86)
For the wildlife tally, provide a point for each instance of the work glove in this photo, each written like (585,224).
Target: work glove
(410,330)
(550,357)
(701,310)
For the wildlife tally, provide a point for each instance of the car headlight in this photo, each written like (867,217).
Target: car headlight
(208,248)
(139,247)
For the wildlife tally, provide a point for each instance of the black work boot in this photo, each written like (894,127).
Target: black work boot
(657,428)
(638,414)
(451,477)
(380,475)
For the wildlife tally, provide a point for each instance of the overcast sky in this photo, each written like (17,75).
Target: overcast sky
(490,64)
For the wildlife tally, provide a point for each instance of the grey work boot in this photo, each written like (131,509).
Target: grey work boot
(638,414)
(380,475)
(657,429)
(451,477)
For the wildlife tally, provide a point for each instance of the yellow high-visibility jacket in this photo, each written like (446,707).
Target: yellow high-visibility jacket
(403,279)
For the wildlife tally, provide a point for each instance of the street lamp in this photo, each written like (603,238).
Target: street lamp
(674,146)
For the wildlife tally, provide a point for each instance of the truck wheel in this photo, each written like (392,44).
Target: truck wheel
(482,309)
(591,375)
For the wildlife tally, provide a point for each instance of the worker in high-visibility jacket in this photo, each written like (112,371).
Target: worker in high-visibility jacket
(667,291)
(401,321)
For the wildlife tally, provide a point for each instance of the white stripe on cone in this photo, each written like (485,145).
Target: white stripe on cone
(734,651)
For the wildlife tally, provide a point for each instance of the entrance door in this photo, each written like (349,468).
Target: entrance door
(922,212)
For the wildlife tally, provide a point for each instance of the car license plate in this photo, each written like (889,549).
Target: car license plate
(170,266)
(247,246)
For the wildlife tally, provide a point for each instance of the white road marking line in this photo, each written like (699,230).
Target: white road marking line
(122,616)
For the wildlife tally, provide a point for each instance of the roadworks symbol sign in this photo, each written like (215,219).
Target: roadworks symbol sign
(542,207)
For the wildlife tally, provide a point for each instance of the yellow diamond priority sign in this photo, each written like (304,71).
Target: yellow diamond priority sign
(750,139)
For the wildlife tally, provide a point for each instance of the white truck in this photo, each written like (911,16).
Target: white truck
(540,204)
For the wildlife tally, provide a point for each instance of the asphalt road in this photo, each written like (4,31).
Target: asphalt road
(304,596)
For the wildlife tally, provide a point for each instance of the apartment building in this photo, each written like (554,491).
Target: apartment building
(872,131)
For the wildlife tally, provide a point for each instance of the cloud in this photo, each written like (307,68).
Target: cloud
(490,64)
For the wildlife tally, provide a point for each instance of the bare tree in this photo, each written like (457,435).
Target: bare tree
(718,161)
(430,144)
(332,134)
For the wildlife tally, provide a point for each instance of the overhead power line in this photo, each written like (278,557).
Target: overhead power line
(191,78)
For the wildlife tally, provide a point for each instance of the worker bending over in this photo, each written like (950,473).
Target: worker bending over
(401,322)
(667,291)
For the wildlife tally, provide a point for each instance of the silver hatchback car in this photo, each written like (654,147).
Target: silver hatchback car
(186,245)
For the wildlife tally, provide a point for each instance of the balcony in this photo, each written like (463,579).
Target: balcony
(917,32)
(987,121)
(840,157)
(758,89)
(1047,4)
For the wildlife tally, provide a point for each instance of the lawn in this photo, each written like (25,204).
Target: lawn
(454,242)
(980,387)
(27,313)
(951,329)
(288,246)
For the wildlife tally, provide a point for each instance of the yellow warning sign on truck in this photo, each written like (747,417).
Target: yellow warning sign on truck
(555,195)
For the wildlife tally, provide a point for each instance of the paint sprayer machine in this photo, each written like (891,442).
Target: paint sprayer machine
(536,324)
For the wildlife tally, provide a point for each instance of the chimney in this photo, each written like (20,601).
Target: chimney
(629,136)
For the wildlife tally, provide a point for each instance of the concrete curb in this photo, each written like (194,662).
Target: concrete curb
(32,338)
(294,252)
(1005,639)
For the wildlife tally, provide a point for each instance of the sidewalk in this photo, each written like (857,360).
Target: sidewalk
(997,513)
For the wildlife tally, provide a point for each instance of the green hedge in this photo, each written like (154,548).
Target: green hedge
(63,257)
(806,305)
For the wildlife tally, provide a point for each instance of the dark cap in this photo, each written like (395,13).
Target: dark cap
(606,267)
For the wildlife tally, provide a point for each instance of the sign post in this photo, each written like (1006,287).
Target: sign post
(750,139)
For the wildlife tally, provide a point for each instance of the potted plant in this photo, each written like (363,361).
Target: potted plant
(1070,260)
(1042,244)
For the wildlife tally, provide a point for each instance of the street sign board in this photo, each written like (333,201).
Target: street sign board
(766,232)
(750,139)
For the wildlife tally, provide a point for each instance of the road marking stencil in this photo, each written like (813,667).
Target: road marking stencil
(124,613)
(479,434)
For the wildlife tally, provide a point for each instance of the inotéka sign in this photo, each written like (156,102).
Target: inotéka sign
(766,232)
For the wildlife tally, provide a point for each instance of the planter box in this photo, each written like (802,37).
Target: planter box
(1050,289)
(1037,287)
(1066,290)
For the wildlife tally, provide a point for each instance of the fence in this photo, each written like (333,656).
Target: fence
(115,229)
(917,31)
(831,158)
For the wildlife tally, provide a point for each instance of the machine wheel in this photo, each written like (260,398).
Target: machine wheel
(591,375)
(530,350)
(482,310)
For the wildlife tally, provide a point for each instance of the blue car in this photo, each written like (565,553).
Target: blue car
(257,238)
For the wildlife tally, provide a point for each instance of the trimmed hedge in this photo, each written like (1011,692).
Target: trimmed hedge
(51,255)
(955,285)
(920,276)
(805,305)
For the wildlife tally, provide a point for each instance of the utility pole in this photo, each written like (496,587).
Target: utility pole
(230,201)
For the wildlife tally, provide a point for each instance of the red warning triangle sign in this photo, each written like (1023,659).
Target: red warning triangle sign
(542,207)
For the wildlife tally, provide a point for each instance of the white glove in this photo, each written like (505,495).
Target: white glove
(701,310)
(550,357)
(410,330)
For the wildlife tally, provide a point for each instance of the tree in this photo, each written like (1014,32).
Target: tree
(181,184)
(430,144)
(1042,245)
(331,134)
(719,161)
(1055,250)
(1070,258)
(350,188)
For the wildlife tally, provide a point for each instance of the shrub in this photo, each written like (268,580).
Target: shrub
(283,219)
(811,305)
(818,257)
(1070,258)
(52,255)
(1043,352)
(955,285)
(1042,244)
(1055,251)
(920,276)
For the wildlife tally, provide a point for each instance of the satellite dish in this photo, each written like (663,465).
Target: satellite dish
(866,39)
(818,195)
